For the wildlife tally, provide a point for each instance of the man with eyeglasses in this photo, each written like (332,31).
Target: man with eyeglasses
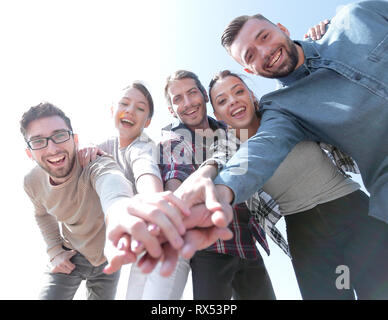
(61,191)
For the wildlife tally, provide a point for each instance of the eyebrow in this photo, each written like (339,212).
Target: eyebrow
(143,102)
(193,88)
(188,91)
(52,133)
(222,93)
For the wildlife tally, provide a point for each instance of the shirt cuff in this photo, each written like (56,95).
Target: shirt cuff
(55,251)
(216,162)
(174,174)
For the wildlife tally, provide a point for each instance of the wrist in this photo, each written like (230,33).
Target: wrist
(225,193)
(55,252)
(210,171)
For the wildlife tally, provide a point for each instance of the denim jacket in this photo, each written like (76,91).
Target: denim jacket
(338,96)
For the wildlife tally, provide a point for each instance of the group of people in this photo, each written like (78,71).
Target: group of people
(211,190)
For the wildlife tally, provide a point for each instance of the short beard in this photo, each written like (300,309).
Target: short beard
(290,64)
(60,175)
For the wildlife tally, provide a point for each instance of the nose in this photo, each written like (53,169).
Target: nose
(232,100)
(52,147)
(186,101)
(264,53)
(130,108)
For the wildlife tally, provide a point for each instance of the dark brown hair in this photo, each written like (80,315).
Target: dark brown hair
(42,110)
(227,73)
(179,75)
(143,89)
(232,30)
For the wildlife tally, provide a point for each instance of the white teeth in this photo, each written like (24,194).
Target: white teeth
(191,112)
(275,59)
(56,159)
(238,110)
(127,121)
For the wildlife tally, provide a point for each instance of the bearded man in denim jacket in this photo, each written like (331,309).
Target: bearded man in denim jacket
(335,90)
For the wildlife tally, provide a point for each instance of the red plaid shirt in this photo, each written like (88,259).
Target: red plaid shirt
(181,153)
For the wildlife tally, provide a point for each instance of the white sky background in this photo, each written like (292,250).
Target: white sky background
(77,54)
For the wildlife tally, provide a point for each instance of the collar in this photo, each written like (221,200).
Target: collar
(176,124)
(310,52)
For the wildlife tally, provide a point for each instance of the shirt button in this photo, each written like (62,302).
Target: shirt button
(358,77)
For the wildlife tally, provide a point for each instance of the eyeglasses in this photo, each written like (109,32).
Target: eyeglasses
(57,138)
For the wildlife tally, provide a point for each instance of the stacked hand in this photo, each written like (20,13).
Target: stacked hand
(167,224)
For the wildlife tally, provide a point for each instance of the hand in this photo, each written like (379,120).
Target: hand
(61,263)
(118,254)
(316,33)
(197,189)
(195,239)
(125,251)
(201,234)
(89,154)
(202,238)
(131,215)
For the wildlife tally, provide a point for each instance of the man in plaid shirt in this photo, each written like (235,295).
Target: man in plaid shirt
(227,268)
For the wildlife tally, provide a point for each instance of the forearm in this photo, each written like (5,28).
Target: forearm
(49,228)
(258,158)
(149,183)
(112,188)
(172,184)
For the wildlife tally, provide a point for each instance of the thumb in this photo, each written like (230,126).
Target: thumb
(211,201)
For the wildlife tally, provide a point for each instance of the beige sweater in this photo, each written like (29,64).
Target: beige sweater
(78,205)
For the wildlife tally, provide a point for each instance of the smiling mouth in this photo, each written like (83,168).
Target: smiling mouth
(191,111)
(275,59)
(238,112)
(127,122)
(57,160)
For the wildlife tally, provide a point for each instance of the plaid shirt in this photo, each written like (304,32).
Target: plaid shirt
(181,153)
(261,205)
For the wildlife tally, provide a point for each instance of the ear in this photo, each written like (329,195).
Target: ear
(147,123)
(172,111)
(29,154)
(253,98)
(248,71)
(283,28)
(75,137)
